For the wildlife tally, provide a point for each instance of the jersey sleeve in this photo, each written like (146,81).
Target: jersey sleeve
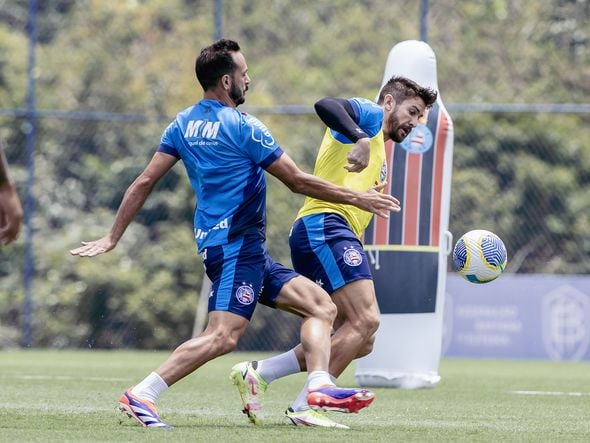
(169,139)
(258,142)
(369,115)
(339,115)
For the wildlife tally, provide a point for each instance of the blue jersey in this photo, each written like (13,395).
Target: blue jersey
(225,153)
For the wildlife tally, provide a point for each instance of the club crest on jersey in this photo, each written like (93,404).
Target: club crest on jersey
(383,172)
(352,257)
(245,294)
(419,140)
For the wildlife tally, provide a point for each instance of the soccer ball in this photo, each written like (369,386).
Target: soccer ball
(480,256)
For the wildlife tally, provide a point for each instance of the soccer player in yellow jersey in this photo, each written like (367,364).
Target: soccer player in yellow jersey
(326,237)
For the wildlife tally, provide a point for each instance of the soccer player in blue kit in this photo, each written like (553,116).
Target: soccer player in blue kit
(325,239)
(225,154)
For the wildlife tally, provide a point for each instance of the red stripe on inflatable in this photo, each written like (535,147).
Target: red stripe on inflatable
(412,199)
(437,179)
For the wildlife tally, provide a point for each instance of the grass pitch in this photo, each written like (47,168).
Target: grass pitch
(59,396)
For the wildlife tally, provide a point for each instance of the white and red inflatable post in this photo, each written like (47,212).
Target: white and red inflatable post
(408,251)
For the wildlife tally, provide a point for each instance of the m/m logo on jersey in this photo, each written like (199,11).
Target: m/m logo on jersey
(201,129)
(352,257)
(245,294)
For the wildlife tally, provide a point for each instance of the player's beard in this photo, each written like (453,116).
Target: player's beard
(396,127)
(237,95)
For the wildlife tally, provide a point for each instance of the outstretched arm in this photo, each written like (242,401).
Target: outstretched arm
(337,114)
(11,211)
(133,201)
(371,200)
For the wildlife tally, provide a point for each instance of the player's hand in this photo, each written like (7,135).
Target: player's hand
(11,214)
(379,203)
(358,157)
(96,247)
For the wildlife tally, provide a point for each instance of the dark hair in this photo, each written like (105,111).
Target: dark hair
(214,62)
(402,88)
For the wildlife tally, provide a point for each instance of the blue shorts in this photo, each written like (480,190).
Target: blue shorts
(243,274)
(325,250)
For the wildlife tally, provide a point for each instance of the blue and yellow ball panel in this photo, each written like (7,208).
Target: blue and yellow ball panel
(480,256)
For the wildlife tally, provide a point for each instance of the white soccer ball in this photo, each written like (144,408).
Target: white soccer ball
(480,256)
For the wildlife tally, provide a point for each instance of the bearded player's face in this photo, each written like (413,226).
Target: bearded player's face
(403,118)
(239,80)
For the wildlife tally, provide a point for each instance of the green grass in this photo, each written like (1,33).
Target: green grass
(67,396)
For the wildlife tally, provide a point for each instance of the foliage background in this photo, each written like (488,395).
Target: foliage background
(111,74)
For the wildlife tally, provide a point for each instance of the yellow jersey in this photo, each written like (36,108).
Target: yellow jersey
(329,165)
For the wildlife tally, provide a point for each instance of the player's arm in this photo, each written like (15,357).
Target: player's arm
(11,211)
(372,200)
(133,201)
(338,114)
